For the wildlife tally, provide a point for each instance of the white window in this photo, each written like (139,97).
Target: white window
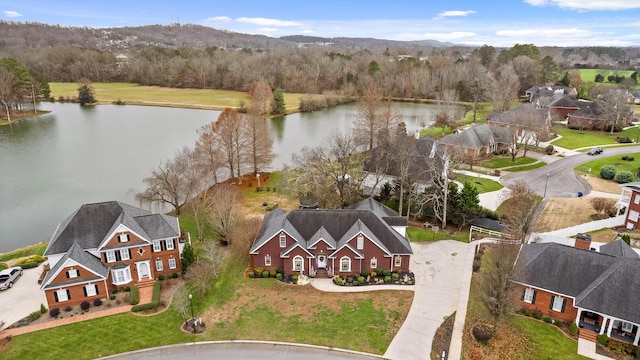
(627,327)
(633,215)
(121,276)
(267,260)
(283,240)
(156,245)
(374,263)
(159,266)
(398,261)
(124,254)
(111,256)
(360,242)
(528,295)
(297,263)
(73,273)
(636,199)
(172,263)
(91,290)
(169,243)
(123,238)
(62,295)
(345,264)
(558,301)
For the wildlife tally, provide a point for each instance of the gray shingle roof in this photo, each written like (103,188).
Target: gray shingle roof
(77,254)
(420,169)
(92,223)
(477,136)
(525,115)
(619,248)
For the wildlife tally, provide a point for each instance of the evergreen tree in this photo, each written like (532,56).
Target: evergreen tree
(85,92)
(188,257)
(278,102)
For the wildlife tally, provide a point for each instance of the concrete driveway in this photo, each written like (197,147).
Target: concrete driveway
(23,298)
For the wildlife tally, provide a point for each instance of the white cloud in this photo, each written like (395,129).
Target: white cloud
(307,32)
(217,18)
(541,33)
(267,22)
(456,13)
(456,35)
(587,4)
(268,30)
(11,14)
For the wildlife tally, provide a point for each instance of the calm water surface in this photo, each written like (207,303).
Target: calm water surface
(52,164)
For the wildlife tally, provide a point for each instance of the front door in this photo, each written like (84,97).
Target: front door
(143,270)
(321,262)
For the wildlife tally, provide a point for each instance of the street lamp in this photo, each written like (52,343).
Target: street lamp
(193,321)
(258,177)
(545,186)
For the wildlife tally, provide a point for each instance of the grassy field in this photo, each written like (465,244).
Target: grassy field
(589,75)
(621,165)
(526,167)
(483,185)
(575,139)
(134,94)
(422,235)
(37,249)
(498,162)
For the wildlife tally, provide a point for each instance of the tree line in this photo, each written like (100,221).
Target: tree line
(20,88)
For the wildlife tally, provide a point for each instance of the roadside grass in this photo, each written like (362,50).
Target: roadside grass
(498,162)
(37,249)
(575,139)
(621,165)
(526,167)
(423,235)
(547,340)
(483,185)
(133,94)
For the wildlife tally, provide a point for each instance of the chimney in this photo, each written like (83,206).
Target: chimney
(583,241)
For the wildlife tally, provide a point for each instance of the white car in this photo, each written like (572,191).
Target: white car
(9,276)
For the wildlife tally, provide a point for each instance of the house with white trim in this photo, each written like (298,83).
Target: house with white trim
(367,236)
(103,246)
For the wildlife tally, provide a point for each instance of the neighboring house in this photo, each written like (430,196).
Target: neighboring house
(527,120)
(536,92)
(107,245)
(367,236)
(477,141)
(634,97)
(630,199)
(590,116)
(596,290)
(559,105)
(428,160)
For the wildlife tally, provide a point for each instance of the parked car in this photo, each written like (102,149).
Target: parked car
(595,151)
(9,276)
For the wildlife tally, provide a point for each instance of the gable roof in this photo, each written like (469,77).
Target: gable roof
(589,110)
(92,223)
(562,101)
(477,136)
(83,258)
(525,115)
(619,248)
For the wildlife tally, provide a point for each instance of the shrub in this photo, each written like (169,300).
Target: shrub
(280,270)
(624,177)
(527,313)
(337,281)
(616,128)
(272,273)
(97,302)
(386,272)
(252,275)
(549,150)
(625,140)
(68,308)
(54,312)
(476,265)
(278,276)
(626,238)
(114,291)
(482,332)
(559,323)
(29,265)
(573,329)
(34,316)
(361,279)
(387,279)
(294,279)
(265,274)
(174,275)
(112,297)
(631,158)
(547,319)
(395,276)
(354,283)
(603,339)
(607,172)
(364,272)
(42,309)
(85,305)
(258,271)
(537,315)
(399,271)
(161,277)
(135,296)
(379,271)
(625,157)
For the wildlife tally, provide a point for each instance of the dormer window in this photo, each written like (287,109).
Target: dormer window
(123,238)
(360,242)
(283,240)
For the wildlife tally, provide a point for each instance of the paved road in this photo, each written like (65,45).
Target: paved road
(23,298)
(562,180)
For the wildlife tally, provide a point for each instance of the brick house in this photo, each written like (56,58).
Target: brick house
(477,141)
(368,235)
(597,290)
(630,198)
(526,120)
(106,245)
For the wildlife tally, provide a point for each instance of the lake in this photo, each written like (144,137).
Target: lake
(52,164)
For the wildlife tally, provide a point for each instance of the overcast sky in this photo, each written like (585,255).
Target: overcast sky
(474,22)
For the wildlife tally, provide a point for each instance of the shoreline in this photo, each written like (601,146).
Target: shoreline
(21,252)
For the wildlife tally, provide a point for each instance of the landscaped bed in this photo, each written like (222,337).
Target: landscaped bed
(376,278)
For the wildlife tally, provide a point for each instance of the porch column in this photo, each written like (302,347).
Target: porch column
(609,328)
(578,316)
(635,341)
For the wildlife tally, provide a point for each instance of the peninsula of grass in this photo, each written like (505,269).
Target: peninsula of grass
(37,249)
(575,139)
(133,94)
(482,185)
(498,162)
(594,166)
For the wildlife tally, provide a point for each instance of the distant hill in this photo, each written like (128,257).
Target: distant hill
(17,34)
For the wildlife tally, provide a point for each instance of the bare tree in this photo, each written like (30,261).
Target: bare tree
(173,183)
(604,206)
(497,289)
(207,154)
(7,90)
(231,140)
(615,108)
(503,87)
(514,149)
(258,141)
(223,214)
(520,205)
(447,109)
(244,234)
(368,121)
(262,96)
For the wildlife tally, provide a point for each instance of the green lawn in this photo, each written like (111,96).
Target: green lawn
(498,162)
(37,249)
(589,75)
(422,235)
(134,94)
(526,167)
(547,340)
(621,165)
(483,185)
(575,139)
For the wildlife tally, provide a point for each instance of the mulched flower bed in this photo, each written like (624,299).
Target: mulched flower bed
(403,278)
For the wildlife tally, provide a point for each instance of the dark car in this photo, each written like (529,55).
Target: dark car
(595,151)
(9,276)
